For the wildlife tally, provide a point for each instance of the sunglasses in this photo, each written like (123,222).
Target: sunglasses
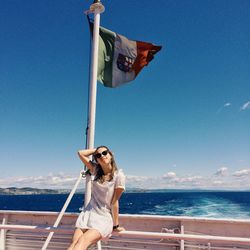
(99,155)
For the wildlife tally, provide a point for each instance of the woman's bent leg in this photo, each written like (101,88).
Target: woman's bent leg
(77,234)
(88,238)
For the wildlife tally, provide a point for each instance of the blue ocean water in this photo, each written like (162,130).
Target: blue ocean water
(201,203)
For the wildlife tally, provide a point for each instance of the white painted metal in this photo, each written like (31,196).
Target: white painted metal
(153,235)
(59,218)
(27,230)
(182,241)
(137,234)
(96,8)
(3,233)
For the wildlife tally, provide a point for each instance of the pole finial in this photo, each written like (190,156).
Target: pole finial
(96,7)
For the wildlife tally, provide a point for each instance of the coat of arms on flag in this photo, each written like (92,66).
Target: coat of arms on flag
(125,63)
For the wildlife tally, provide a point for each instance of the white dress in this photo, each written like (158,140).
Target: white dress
(97,214)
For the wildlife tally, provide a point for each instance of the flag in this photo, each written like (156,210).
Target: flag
(120,60)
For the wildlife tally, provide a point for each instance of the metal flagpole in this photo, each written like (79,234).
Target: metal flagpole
(96,8)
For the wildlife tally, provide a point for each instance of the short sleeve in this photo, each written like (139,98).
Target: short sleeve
(120,179)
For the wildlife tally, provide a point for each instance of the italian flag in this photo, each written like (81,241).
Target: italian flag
(120,60)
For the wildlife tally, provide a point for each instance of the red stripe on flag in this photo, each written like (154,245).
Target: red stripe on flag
(145,53)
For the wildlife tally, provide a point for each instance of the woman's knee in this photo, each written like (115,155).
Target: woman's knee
(74,241)
(72,245)
(84,241)
(90,237)
(79,244)
(77,235)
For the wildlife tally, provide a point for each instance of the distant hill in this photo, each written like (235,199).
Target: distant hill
(28,190)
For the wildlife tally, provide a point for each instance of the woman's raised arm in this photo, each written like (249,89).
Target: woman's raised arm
(84,156)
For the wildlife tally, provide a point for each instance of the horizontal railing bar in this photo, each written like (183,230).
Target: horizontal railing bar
(37,228)
(136,234)
(137,216)
(209,238)
(184,218)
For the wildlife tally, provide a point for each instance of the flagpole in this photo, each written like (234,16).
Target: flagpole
(96,8)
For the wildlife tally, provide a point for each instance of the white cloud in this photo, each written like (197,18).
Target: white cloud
(143,182)
(134,178)
(172,177)
(245,106)
(217,183)
(170,180)
(242,173)
(221,171)
(50,181)
(169,175)
(173,181)
(189,179)
(227,104)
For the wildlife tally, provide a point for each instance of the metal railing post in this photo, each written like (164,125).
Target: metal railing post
(182,245)
(209,246)
(3,233)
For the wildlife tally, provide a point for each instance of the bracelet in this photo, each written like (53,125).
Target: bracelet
(115,227)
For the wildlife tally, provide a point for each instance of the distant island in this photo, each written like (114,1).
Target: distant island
(37,191)
(29,190)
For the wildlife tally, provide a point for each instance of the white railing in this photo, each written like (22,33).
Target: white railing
(23,230)
(135,234)
(3,233)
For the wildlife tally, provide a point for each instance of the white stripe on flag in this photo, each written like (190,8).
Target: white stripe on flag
(127,48)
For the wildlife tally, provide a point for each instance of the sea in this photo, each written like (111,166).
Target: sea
(210,204)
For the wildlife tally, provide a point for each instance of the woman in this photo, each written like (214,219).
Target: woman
(100,216)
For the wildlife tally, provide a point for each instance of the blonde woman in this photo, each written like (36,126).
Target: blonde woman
(100,217)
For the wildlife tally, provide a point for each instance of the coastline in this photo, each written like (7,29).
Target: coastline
(37,191)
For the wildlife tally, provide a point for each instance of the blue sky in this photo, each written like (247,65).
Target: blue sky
(183,123)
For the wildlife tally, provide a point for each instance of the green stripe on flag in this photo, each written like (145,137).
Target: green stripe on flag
(105,56)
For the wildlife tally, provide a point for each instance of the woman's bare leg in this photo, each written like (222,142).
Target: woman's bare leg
(77,234)
(88,238)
